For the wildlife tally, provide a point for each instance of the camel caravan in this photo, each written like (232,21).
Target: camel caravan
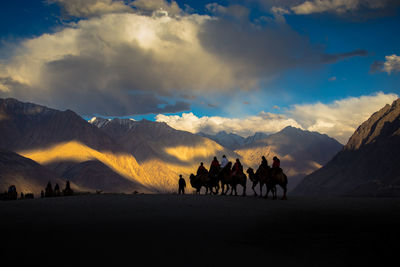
(226,177)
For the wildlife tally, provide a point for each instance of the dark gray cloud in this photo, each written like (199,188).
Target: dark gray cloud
(255,52)
(235,11)
(390,65)
(90,8)
(347,9)
(376,66)
(264,51)
(332,58)
(88,102)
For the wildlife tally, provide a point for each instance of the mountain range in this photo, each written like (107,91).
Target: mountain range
(124,155)
(369,163)
(301,152)
(55,138)
(162,151)
(233,141)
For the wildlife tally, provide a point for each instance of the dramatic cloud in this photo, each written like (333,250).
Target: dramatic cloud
(338,119)
(150,6)
(89,8)
(135,58)
(114,62)
(392,64)
(264,122)
(236,11)
(342,117)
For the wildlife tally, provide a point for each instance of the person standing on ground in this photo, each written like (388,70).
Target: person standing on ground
(182,185)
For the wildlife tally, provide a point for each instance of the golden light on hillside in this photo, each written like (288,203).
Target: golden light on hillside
(123,164)
(189,153)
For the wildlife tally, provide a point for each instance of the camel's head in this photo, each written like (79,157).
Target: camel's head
(191,177)
(250,171)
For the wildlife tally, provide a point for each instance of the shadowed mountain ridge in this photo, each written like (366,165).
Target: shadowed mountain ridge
(26,126)
(301,152)
(27,175)
(368,164)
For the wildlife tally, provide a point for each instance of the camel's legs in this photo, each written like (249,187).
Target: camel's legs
(268,189)
(261,188)
(252,187)
(244,190)
(227,189)
(284,192)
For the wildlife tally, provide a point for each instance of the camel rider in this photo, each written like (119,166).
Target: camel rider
(214,167)
(264,162)
(276,165)
(237,167)
(201,170)
(224,161)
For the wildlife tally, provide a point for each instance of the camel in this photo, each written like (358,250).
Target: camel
(239,178)
(262,176)
(253,178)
(225,176)
(279,178)
(213,181)
(197,181)
(231,181)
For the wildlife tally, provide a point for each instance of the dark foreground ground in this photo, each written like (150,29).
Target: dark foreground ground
(141,230)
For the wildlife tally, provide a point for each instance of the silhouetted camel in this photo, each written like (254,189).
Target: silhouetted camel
(253,178)
(231,181)
(262,177)
(279,178)
(198,181)
(214,180)
(225,176)
(239,178)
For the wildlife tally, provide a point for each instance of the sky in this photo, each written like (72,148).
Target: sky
(237,66)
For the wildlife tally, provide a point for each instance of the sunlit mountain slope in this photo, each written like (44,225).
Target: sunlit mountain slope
(162,151)
(73,151)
